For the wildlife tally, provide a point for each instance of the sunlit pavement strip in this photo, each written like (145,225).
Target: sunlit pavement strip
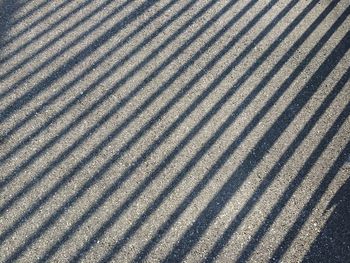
(175,130)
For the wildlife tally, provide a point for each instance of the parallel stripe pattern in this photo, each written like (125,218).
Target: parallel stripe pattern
(174,130)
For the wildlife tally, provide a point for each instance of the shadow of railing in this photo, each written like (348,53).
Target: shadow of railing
(114,110)
(71,63)
(27,14)
(171,156)
(210,142)
(7,11)
(197,229)
(52,27)
(276,169)
(93,86)
(192,235)
(332,244)
(30,27)
(288,193)
(89,90)
(144,129)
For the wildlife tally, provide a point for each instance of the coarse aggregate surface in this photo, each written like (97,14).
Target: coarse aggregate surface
(174,131)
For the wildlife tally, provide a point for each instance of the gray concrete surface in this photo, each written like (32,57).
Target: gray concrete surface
(175,130)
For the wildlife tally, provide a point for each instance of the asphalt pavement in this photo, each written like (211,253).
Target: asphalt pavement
(175,131)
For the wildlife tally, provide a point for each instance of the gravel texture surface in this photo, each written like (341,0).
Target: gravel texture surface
(175,130)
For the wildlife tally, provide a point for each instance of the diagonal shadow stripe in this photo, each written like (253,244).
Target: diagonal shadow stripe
(203,150)
(155,145)
(332,242)
(75,42)
(308,208)
(180,146)
(292,187)
(72,62)
(106,117)
(28,13)
(147,152)
(90,89)
(7,10)
(211,42)
(140,190)
(271,175)
(65,17)
(94,178)
(30,27)
(193,234)
(97,177)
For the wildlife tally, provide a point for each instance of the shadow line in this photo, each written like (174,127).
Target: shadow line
(166,226)
(7,11)
(30,27)
(193,234)
(80,56)
(287,194)
(154,146)
(106,117)
(88,158)
(332,243)
(96,177)
(98,9)
(28,14)
(143,185)
(237,178)
(316,196)
(72,62)
(271,175)
(86,92)
(156,118)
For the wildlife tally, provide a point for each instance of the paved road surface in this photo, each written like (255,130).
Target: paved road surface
(174,130)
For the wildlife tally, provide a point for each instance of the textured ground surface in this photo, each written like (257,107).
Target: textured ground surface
(174,130)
